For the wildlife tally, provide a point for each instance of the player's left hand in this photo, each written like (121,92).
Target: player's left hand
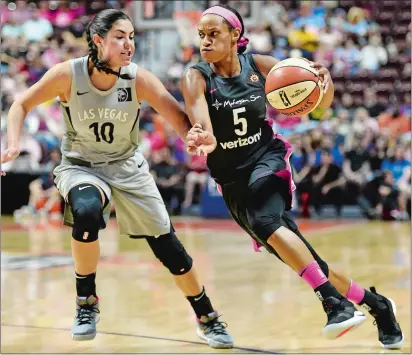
(200,142)
(324,74)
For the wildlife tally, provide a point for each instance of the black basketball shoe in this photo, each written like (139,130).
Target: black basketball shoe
(390,333)
(342,317)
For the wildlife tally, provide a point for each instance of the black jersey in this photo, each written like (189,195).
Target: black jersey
(237,109)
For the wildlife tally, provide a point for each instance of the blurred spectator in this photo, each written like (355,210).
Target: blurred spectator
(350,56)
(44,196)
(338,19)
(324,55)
(379,198)
(12,29)
(329,37)
(335,148)
(169,178)
(373,55)
(405,190)
(363,122)
(327,183)
(30,153)
(272,14)
(304,40)
(65,14)
(260,40)
(197,175)
(37,28)
(302,164)
(394,123)
(377,154)
(341,124)
(356,167)
(347,103)
(356,22)
(314,21)
(405,108)
(396,164)
(388,207)
(52,56)
(374,107)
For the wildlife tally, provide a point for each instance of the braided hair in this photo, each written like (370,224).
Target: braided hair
(101,24)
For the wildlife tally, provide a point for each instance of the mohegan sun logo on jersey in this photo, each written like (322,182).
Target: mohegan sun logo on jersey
(124,94)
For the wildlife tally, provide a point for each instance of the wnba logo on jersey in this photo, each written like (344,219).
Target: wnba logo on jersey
(124,94)
(284,98)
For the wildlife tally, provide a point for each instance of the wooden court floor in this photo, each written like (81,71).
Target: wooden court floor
(267,307)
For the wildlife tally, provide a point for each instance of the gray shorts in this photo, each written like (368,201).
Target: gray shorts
(140,209)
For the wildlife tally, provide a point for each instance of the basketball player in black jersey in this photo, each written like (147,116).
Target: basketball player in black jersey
(225,99)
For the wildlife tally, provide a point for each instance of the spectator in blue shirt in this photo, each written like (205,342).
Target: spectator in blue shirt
(397,164)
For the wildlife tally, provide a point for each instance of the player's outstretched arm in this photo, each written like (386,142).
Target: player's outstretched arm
(151,89)
(200,139)
(193,88)
(56,81)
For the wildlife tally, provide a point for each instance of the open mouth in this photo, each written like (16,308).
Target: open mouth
(127,54)
(206,50)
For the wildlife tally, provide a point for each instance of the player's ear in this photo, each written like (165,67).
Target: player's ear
(235,34)
(97,40)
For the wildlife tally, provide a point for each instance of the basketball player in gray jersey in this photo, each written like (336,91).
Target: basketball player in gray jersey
(100,96)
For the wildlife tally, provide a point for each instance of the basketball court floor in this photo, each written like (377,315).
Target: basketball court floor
(267,307)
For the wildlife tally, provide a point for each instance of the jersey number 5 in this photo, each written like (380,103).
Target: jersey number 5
(240,120)
(106,131)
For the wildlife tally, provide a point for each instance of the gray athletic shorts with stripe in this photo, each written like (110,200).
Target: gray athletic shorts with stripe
(140,209)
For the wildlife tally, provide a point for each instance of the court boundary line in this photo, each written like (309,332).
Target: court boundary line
(336,227)
(254,351)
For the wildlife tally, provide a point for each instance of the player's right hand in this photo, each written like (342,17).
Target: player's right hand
(8,155)
(200,142)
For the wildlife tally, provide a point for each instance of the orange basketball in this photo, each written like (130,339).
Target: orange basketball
(293,87)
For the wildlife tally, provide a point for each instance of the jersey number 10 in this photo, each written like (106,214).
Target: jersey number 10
(106,131)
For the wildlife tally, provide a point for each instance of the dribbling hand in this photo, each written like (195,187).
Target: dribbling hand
(323,73)
(200,142)
(8,155)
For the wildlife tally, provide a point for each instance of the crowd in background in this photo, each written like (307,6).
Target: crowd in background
(356,152)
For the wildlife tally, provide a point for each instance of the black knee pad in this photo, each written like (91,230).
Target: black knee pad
(87,208)
(171,252)
(263,225)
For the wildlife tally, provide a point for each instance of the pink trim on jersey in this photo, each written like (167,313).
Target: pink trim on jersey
(219,188)
(288,167)
(256,246)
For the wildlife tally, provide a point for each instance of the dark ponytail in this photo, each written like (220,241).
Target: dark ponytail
(101,24)
(243,41)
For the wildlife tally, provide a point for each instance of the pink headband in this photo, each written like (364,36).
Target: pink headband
(230,17)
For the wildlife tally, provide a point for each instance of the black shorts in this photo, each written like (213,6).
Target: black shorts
(268,189)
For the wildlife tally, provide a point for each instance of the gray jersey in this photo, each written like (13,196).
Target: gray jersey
(101,126)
